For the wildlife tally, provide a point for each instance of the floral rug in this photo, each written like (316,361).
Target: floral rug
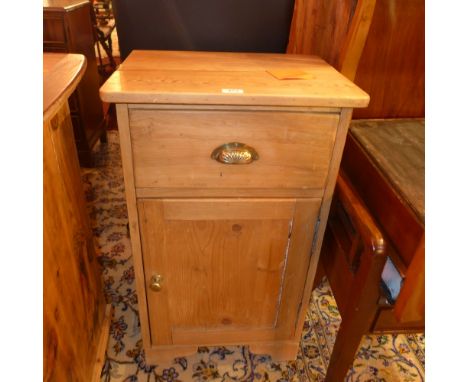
(380,358)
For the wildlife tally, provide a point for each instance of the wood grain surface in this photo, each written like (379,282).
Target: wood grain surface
(73,292)
(320,27)
(397,149)
(399,223)
(224,262)
(392,66)
(227,78)
(333,30)
(388,63)
(61,74)
(216,254)
(172,148)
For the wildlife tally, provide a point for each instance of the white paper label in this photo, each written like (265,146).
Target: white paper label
(232,91)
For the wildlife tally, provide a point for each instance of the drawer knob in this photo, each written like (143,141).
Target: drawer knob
(155,284)
(234,153)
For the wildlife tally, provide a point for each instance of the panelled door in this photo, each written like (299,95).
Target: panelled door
(225,270)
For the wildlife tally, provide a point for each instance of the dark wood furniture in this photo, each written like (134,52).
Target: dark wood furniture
(104,25)
(377,212)
(68,28)
(391,68)
(335,30)
(76,325)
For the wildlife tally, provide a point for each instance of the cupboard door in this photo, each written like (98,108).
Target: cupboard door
(231,270)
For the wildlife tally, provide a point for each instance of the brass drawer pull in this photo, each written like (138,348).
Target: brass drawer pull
(234,153)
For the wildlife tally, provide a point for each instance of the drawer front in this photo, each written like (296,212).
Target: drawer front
(172,148)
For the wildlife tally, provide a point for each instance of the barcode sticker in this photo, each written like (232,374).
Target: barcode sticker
(232,91)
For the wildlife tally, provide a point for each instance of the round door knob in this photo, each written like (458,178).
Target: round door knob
(155,284)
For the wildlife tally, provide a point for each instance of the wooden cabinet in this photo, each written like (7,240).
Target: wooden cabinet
(224,263)
(229,171)
(75,325)
(68,28)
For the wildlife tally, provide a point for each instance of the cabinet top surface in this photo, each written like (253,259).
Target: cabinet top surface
(61,74)
(64,5)
(221,78)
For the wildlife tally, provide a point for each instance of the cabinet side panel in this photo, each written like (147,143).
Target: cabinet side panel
(343,125)
(73,294)
(127,165)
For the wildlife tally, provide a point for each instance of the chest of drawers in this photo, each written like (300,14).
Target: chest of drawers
(230,161)
(68,28)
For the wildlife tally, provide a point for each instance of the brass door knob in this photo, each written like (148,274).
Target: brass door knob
(155,284)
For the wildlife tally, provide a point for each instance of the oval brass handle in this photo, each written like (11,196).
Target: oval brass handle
(234,153)
(155,284)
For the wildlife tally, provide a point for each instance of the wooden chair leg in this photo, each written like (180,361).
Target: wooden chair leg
(111,57)
(347,342)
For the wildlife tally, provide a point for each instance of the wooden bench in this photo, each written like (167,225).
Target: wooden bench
(377,213)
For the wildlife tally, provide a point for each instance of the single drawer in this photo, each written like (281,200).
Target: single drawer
(173,148)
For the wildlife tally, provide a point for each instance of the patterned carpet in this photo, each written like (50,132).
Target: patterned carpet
(380,358)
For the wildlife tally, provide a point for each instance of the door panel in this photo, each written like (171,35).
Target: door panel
(223,265)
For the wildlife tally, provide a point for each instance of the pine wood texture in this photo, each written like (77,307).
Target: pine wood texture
(237,261)
(240,246)
(74,305)
(320,27)
(229,78)
(333,30)
(134,228)
(172,148)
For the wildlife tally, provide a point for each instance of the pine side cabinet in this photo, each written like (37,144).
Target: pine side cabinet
(230,161)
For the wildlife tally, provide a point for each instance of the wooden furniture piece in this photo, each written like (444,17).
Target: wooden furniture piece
(335,30)
(206,25)
(68,28)
(392,66)
(229,161)
(104,25)
(391,60)
(76,324)
(377,212)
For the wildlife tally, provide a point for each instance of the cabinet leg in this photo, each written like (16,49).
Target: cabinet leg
(281,351)
(166,354)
